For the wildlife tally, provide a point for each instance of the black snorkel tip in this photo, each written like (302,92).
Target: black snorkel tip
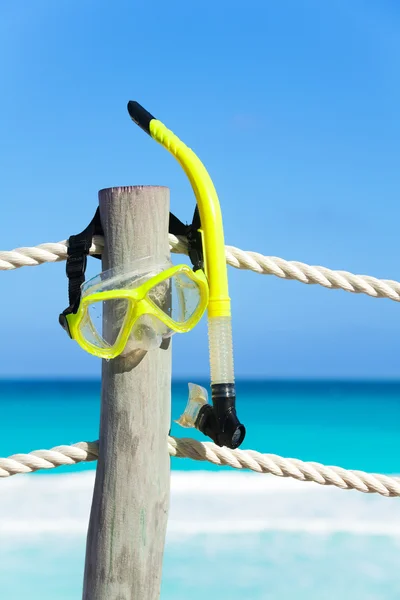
(140,115)
(219,421)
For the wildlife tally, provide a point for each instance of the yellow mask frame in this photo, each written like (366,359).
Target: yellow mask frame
(139,303)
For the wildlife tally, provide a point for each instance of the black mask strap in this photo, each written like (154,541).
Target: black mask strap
(78,250)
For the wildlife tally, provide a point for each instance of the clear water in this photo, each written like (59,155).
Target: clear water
(231,534)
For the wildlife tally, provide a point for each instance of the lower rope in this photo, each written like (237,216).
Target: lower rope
(367,483)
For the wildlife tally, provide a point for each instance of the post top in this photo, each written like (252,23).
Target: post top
(130,188)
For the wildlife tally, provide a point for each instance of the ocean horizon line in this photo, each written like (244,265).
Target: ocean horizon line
(205,380)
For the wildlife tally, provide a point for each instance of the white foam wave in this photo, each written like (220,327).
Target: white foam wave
(203,503)
(314,526)
(73,527)
(38,526)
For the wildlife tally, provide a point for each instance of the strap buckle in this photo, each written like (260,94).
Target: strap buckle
(193,235)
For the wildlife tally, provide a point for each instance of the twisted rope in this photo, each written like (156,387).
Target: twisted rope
(207,451)
(252,261)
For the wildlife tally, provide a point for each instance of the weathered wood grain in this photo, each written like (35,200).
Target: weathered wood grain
(129,512)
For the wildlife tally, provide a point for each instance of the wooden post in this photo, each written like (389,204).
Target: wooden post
(129,513)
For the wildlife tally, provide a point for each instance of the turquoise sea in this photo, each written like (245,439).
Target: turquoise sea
(231,534)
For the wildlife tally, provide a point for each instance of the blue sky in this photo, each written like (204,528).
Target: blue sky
(294,109)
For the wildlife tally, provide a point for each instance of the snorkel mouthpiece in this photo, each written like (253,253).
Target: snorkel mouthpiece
(219,421)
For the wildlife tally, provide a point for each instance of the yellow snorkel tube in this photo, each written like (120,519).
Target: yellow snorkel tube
(218,421)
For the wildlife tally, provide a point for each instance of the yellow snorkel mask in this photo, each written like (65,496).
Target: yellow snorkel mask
(149,301)
(218,421)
